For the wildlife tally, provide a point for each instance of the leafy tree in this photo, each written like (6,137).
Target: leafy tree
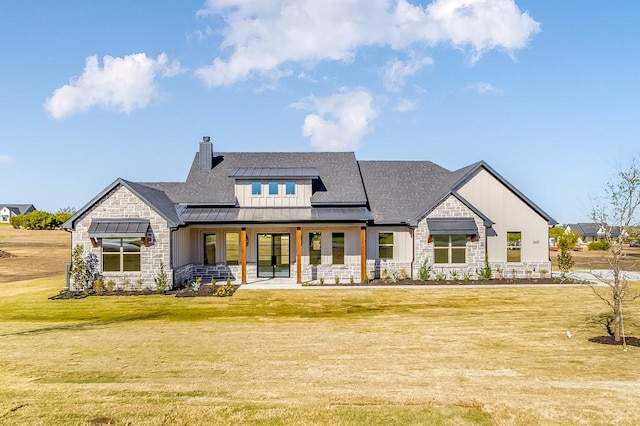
(565,259)
(618,209)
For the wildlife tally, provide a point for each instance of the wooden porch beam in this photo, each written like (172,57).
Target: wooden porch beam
(243,254)
(299,255)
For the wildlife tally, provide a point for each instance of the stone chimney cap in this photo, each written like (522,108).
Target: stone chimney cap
(206,139)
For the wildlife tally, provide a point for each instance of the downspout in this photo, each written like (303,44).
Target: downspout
(413,250)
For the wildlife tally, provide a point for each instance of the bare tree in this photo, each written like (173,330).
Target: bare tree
(615,214)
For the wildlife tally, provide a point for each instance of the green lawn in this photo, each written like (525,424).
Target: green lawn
(347,357)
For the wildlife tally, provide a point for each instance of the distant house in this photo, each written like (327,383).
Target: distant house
(7,211)
(307,216)
(590,232)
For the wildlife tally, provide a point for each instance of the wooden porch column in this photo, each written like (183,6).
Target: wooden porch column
(243,254)
(299,255)
(363,253)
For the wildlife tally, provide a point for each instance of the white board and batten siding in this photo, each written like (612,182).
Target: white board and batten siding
(301,198)
(402,242)
(510,214)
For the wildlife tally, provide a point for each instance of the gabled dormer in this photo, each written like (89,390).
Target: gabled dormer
(273,186)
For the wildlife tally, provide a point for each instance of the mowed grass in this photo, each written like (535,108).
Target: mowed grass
(314,356)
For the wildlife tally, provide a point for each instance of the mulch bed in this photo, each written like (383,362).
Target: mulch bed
(608,340)
(204,290)
(496,281)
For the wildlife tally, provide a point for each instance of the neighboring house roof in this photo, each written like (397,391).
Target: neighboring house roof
(590,229)
(19,208)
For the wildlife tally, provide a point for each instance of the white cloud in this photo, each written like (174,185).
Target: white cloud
(485,88)
(262,35)
(123,84)
(396,71)
(339,121)
(405,105)
(5,159)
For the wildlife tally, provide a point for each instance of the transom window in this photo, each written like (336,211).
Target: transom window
(290,188)
(337,248)
(450,248)
(273,188)
(315,248)
(514,247)
(121,254)
(385,245)
(256,188)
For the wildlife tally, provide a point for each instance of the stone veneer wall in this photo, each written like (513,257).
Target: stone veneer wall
(451,207)
(346,272)
(122,203)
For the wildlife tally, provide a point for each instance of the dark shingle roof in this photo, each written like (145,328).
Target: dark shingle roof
(398,191)
(19,208)
(338,172)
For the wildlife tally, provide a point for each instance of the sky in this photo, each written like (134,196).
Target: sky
(545,92)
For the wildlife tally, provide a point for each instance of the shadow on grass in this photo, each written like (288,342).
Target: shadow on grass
(89,324)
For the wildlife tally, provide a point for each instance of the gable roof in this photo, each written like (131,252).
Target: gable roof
(153,197)
(590,229)
(19,208)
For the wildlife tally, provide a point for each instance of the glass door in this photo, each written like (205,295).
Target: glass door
(273,255)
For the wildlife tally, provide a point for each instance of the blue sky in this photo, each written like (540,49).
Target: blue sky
(546,92)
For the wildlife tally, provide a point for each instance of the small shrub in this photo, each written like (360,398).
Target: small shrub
(440,275)
(601,245)
(384,275)
(139,284)
(513,274)
(213,281)
(467,275)
(404,274)
(543,273)
(98,285)
(161,280)
(195,286)
(351,280)
(454,275)
(321,280)
(394,276)
(225,290)
(424,272)
(337,280)
(110,285)
(485,273)
(126,284)
(529,273)
(365,279)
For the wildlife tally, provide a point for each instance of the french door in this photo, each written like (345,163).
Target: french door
(273,255)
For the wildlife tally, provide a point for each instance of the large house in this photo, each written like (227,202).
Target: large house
(7,211)
(309,216)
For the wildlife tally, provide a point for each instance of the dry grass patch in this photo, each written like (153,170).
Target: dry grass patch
(419,356)
(32,254)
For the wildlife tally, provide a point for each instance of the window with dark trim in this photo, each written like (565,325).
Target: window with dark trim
(450,248)
(290,188)
(514,247)
(337,248)
(315,248)
(209,249)
(385,245)
(232,248)
(273,188)
(121,254)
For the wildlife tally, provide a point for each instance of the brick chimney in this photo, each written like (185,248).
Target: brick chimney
(206,153)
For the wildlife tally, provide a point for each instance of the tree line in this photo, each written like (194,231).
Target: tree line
(39,219)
